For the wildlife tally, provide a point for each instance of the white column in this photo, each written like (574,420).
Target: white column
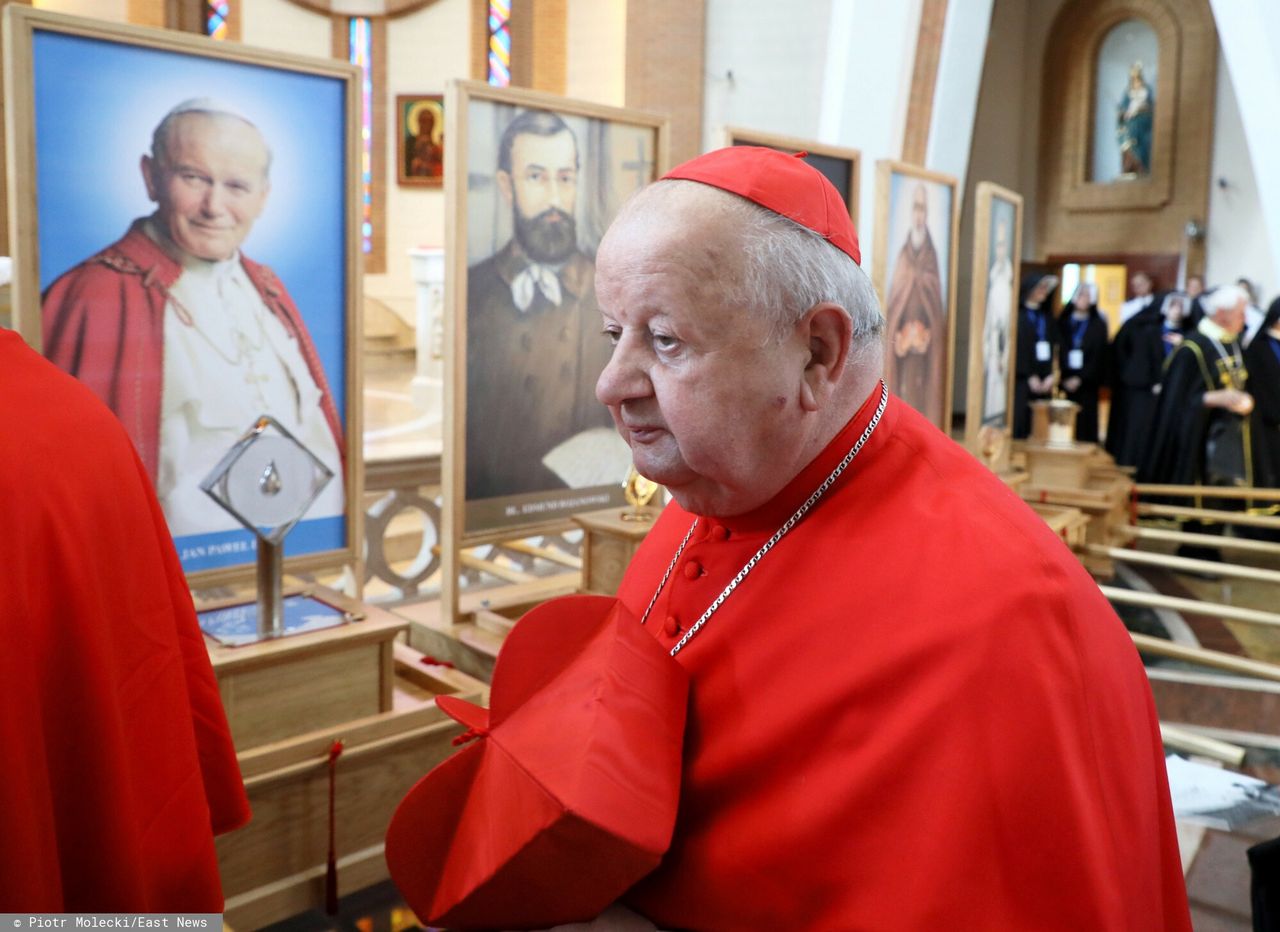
(867,83)
(427,387)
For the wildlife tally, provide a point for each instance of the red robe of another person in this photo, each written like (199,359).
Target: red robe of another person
(916,712)
(117,764)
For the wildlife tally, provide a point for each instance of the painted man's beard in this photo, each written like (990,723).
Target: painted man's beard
(551,236)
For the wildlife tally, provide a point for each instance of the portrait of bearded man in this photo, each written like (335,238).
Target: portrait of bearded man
(916,316)
(534,347)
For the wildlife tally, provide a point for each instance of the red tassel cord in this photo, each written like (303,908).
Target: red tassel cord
(331,870)
(470,734)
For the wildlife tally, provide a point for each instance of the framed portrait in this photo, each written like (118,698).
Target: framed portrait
(183,221)
(914,272)
(838,165)
(533,182)
(993,306)
(420,124)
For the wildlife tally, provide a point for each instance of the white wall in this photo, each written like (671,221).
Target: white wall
(868,84)
(1237,241)
(955,100)
(764,67)
(285,27)
(424,50)
(114,10)
(1244,218)
(596,51)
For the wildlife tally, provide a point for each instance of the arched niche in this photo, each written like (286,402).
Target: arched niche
(1125,104)
(1085,208)
(1086,103)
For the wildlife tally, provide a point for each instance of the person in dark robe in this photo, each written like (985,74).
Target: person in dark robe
(1263,361)
(1033,360)
(1082,354)
(1138,356)
(1201,430)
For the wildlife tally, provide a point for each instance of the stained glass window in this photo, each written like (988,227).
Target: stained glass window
(500,42)
(215,18)
(361,54)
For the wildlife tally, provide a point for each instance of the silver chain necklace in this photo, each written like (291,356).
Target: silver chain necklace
(769,544)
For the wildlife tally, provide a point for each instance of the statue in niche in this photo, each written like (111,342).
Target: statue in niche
(1134,119)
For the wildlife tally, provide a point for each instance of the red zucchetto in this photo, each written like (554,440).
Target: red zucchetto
(785,184)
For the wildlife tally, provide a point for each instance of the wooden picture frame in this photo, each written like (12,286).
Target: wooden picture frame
(919,348)
(82,100)
(840,165)
(993,310)
(419,158)
(526,445)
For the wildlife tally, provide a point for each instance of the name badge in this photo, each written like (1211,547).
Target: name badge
(1044,352)
(1075,359)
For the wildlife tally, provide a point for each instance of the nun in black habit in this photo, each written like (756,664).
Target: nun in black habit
(1138,357)
(1082,354)
(1263,361)
(1033,359)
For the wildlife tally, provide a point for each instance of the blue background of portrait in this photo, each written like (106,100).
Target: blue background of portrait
(97,102)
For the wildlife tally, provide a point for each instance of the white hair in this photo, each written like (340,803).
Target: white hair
(205,106)
(788,268)
(1223,299)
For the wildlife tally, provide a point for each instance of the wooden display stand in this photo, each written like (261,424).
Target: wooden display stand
(472,643)
(1059,465)
(305,682)
(994,448)
(1071,524)
(1103,498)
(288,701)
(610,539)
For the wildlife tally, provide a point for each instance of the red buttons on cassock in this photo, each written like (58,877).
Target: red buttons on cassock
(718,532)
(671,626)
(692,569)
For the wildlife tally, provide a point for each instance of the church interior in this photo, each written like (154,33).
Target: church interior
(1052,198)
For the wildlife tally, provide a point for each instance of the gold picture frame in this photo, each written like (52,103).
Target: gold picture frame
(420,152)
(918,359)
(993,341)
(112,84)
(526,447)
